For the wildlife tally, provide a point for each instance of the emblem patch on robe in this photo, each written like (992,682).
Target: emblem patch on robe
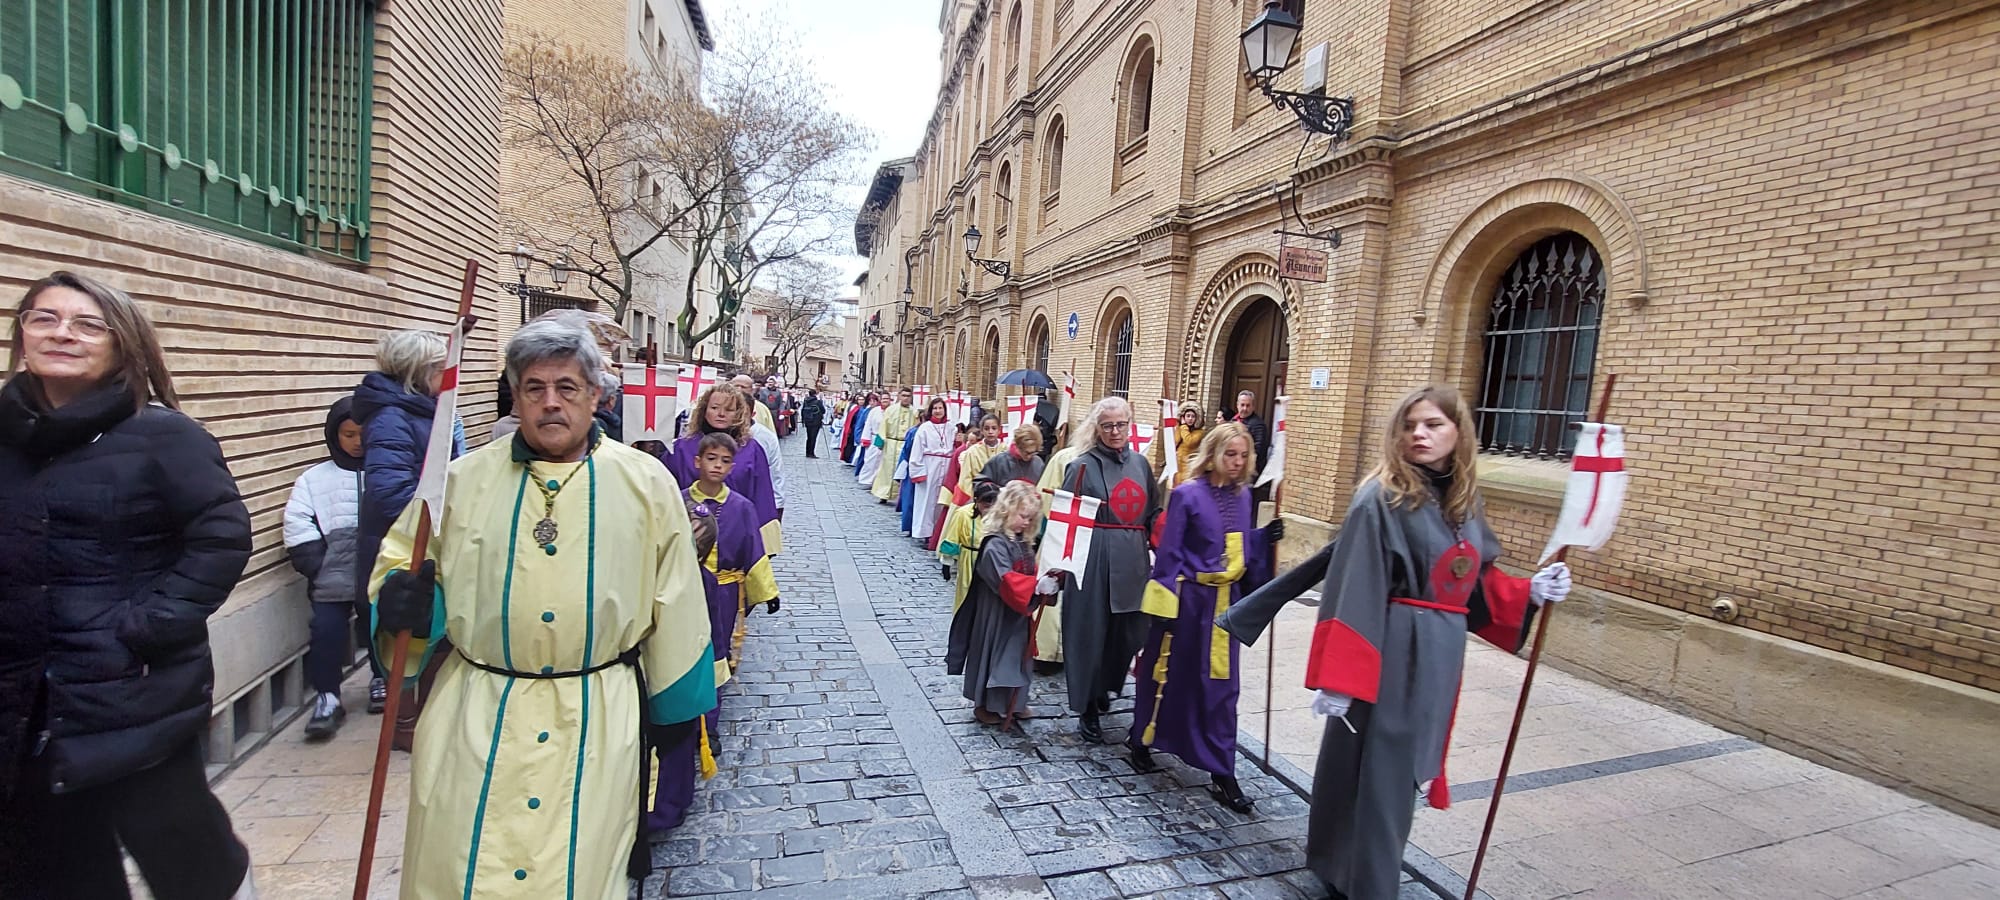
(1128,501)
(1455,573)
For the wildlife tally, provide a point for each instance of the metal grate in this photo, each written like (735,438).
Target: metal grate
(541,303)
(248,116)
(1541,347)
(1121,356)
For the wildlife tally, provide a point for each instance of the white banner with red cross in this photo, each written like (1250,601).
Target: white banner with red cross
(651,402)
(1596,492)
(958,406)
(437,454)
(920,397)
(692,381)
(1170,456)
(1066,543)
(1274,468)
(1068,397)
(1020,410)
(1142,437)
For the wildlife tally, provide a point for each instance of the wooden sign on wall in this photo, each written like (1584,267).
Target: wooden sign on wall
(1302,264)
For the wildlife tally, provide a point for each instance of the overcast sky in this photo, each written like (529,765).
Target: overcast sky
(878,59)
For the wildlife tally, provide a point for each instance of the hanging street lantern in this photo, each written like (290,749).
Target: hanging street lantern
(1267,51)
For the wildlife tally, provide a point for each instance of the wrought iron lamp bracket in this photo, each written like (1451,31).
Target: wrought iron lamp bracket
(1318,113)
(995,267)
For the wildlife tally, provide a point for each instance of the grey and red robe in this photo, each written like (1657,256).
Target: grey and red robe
(1403,587)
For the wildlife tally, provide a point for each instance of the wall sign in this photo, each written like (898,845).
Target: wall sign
(1319,381)
(1302,264)
(1075,325)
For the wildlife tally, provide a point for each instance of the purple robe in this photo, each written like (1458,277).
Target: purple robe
(739,548)
(750,478)
(1188,675)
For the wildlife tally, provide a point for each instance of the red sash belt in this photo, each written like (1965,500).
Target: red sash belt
(1426,604)
(1114,526)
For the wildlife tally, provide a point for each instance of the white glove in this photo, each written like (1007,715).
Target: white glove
(1331,704)
(1550,585)
(1048,584)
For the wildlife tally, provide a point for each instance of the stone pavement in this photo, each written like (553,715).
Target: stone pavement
(850,766)
(1613,797)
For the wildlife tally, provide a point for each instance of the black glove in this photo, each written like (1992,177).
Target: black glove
(1275,531)
(947,571)
(406,600)
(771,605)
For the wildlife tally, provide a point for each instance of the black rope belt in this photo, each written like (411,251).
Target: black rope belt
(640,863)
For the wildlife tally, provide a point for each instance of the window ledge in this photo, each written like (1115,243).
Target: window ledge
(1133,150)
(1535,483)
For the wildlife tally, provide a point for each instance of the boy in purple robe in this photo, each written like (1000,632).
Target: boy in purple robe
(736,575)
(727,410)
(1210,554)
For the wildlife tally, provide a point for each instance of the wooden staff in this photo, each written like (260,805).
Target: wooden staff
(1527,685)
(400,655)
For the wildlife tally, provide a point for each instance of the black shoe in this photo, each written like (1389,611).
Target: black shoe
(1088,729)
(1230,793)
(378,696)
(326,717)
(1142,761)
(1102,705)
(1045,667)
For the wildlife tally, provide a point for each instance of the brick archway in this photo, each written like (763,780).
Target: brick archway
(1234,289)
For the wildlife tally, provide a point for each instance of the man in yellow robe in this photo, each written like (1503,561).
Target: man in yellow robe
(895,425)
(563,573)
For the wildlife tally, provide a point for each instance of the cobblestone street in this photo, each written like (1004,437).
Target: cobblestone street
(850,765)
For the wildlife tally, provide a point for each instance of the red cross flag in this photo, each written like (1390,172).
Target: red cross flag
(1068,395)
(960,404)
(1170,456)
(1274,468)
(1142,437)
(1066,543)
(1596,490)
(692,381)
(1020,408)
(650,402)
(920,396)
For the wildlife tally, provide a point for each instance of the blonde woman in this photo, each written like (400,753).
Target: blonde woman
(989,643)
(1411,572)
(1210,553)
(726,410)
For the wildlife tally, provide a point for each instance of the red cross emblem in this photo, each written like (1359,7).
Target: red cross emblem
(694,380)
(1597,466)
(652,391)
(1128,501)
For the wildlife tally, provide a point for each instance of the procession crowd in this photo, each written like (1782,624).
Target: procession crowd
(574,601)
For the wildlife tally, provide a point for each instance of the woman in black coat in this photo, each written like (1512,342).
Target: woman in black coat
(121,531)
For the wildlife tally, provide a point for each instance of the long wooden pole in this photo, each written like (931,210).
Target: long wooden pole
(399,657)
(1527,685)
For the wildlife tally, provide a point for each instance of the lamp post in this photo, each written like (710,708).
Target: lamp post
(1267,50)
(524,262)
(997,267)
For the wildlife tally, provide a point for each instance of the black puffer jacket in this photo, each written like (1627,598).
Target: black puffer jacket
(119,534)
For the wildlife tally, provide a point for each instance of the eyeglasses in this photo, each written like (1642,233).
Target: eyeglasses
(537,392)
(1113,426)
(44,322)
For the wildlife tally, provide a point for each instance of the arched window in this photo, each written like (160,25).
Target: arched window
(976,104)
(1541,348)
(1038,346)
(1118,355)
(1137,105)
(958,359)
(1003,193)
(1053,158)
(1013,43)
(992,379)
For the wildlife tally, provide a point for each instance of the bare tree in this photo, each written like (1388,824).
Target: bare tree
(745,171)
(800,304)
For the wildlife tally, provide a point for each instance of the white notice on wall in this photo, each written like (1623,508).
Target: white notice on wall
(1319,379)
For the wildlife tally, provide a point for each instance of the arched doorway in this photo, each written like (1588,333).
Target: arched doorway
(1259,350)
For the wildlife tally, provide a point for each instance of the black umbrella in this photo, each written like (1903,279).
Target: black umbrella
(1027,378)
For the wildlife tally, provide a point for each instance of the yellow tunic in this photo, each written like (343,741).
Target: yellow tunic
(897,423)
(971,463)
(959,545)
(762,413)
(530,787)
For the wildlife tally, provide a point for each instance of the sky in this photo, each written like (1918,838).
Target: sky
(878,60)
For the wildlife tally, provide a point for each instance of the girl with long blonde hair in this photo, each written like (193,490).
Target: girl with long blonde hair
(990,631)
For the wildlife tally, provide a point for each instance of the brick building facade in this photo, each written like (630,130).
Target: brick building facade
(1773,220)
(270,257)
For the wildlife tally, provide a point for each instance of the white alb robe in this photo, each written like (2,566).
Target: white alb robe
(871,458)
(930,458)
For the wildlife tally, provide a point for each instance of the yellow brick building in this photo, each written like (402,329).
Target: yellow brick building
(1774,220)
(277,197)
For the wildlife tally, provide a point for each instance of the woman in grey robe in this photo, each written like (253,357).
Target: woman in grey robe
(992,632)
(1411,572)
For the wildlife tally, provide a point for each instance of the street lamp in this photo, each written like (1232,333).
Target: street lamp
(1267,51)
(559,272)
(998,268)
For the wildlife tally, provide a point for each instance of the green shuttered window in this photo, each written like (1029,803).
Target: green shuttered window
(247,116)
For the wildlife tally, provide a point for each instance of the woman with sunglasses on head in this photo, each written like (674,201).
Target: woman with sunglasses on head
(121,531)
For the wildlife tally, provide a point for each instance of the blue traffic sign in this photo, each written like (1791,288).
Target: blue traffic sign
(1075,324)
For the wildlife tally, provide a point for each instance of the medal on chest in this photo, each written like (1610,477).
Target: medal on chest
(1454,574)
(1128,501)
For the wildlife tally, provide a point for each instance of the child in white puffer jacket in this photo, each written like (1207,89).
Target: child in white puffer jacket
(320,532)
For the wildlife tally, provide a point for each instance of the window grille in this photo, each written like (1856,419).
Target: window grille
(1541,348)
(1121,356)
(246,116)
(541,303)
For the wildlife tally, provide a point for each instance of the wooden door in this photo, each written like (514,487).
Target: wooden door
(1259,352)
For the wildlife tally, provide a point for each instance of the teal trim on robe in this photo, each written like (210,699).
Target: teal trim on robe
(693,694)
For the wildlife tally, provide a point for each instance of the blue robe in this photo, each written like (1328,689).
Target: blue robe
(906,498)
(1210,555)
